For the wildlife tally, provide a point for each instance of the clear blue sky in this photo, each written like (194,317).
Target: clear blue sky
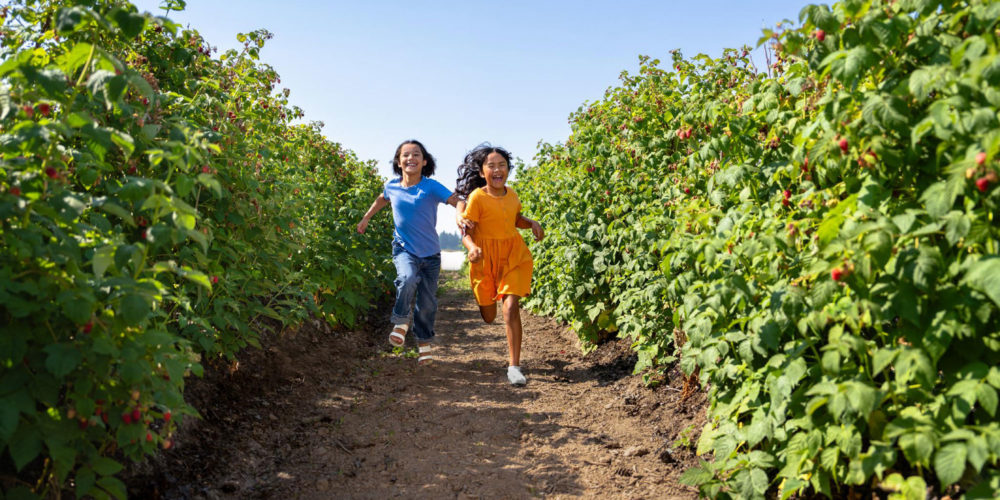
(453,74)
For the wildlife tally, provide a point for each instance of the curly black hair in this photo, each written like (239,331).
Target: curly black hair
(470,171)
(428,169)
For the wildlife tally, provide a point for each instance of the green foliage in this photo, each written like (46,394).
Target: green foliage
(818,242)
(157,207)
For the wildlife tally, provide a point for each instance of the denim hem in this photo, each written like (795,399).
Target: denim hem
(401,320)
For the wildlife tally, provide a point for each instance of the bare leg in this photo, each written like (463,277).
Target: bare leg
(512,321)
(489,312)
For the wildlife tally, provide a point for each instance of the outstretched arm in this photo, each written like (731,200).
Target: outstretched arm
(459,204)
(379,203)
(523,222)
(475,253)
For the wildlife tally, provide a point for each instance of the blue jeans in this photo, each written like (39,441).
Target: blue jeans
(416,286)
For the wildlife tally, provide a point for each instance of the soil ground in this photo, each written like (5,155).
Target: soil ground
(325,414)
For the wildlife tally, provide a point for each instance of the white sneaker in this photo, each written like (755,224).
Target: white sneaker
(515,376)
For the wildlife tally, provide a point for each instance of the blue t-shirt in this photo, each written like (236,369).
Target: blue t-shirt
(414,213)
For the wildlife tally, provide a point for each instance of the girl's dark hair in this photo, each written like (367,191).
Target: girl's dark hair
(469,178)
(428,169)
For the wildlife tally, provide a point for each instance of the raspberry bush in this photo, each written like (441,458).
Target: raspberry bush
(816,243)
(159,209)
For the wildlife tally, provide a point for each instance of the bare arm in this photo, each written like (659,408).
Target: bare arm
(523,222)
(379,203)
(475,253)
(462,222)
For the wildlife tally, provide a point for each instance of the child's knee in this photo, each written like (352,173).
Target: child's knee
(489,313)
(407,281)
(511,306)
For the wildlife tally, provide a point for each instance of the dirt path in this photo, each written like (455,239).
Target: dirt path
(338,415)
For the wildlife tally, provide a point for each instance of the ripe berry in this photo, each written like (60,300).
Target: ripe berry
(982,184)
(16,191)
(149,437)
(687,190)
(136,415)
(51,172)
(167,416)
(843,145)
(787,194)
(28,110)
(43,108)
(205,169)
(820,35)
(88,327)
(215,280)
(837,274)
(980,158)
(127,417)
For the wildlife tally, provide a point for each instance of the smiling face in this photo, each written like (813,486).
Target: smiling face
(411,160)
(495,170)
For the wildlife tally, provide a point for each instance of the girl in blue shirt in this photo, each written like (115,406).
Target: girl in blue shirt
(416,251)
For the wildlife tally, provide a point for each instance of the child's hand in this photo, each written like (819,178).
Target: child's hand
(362,226)
(464,224)
(536,230)
(475,254)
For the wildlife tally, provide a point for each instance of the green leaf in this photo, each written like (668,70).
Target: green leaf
(62,359)
(85,480)
(9,415)
(106,466)
(117,210)
(113,486)
(24,446)
(197,277)
(949,463)
(71,61)
(130,23)
(984,276)
(957,225)
(63,459)
(103,258)
(882,358)
(697,475)
(758,478)
(69,18)
(134,308)
(987,398)
(940,197)
(829,457)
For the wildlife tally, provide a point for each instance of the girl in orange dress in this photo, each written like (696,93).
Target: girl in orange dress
(499,261)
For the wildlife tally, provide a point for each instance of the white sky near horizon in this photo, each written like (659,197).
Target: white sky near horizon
(454,74)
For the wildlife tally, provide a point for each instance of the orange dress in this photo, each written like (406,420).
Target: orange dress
(506,265)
